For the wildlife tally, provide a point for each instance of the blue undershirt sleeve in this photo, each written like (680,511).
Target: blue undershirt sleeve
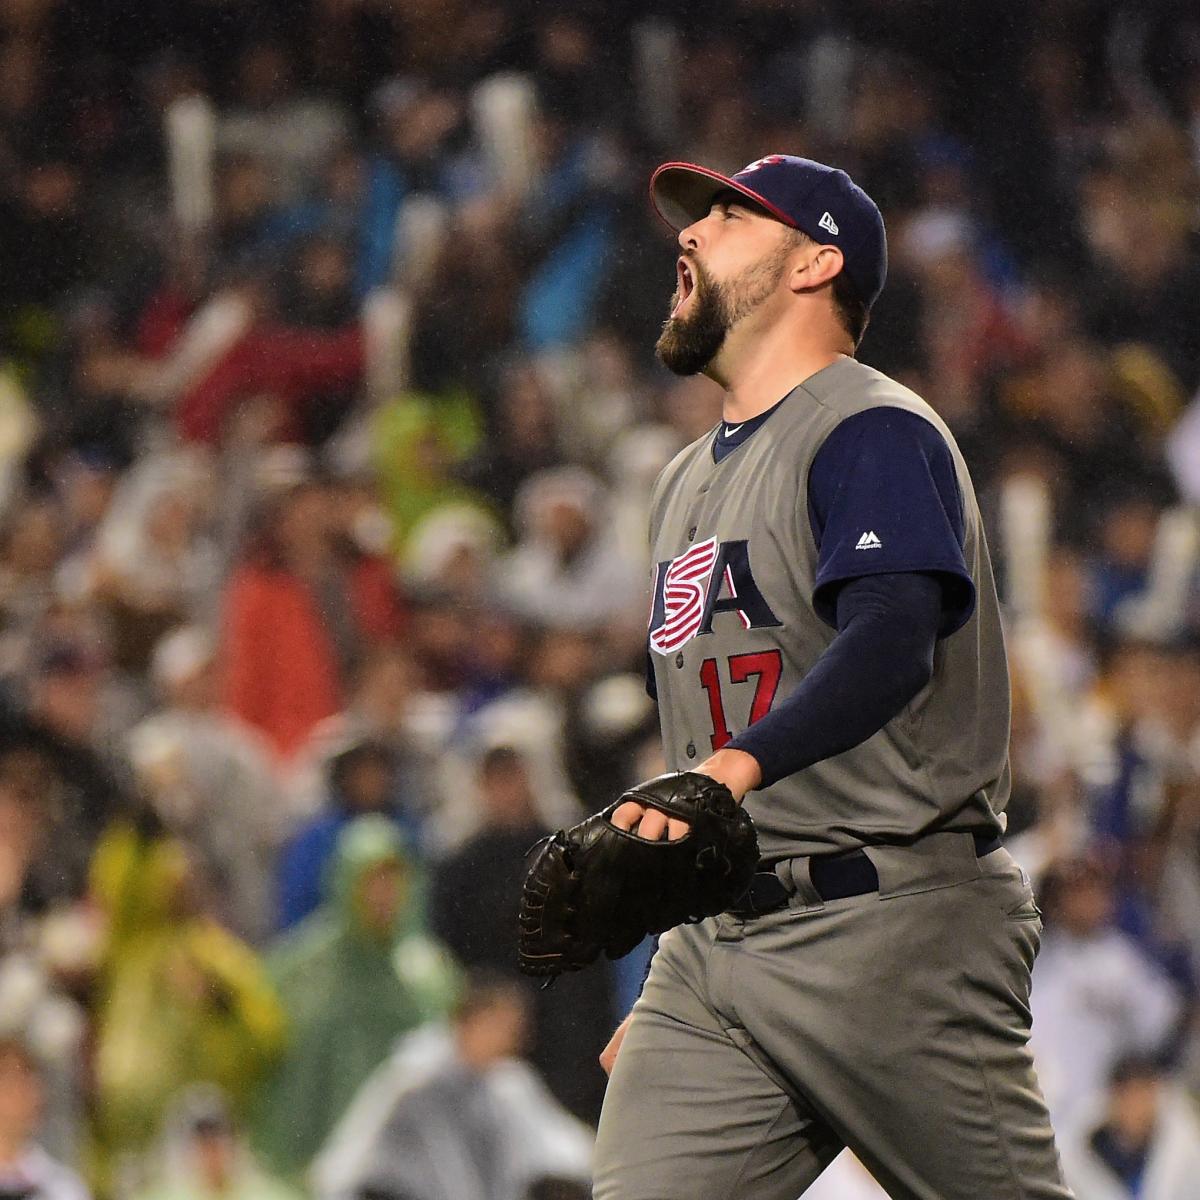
(883,498)
(879,661)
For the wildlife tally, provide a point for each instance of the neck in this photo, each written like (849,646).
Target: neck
(756,378)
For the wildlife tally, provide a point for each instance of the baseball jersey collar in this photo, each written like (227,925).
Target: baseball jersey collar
(729,437)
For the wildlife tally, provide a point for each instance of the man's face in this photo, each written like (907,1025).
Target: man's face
(382,892)
(507,795)
(499,1031)
(69,700)
(216,1154)
(367,783)
(733,262)
(21,1096)
(1087,905)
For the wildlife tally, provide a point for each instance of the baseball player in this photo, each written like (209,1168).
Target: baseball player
(826,642)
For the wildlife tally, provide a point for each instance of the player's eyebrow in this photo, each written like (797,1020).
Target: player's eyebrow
(725,198)
(731,199)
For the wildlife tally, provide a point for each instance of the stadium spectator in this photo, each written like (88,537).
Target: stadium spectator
(1145,1143)
(156,564)
(25,1168)
(179,999)
(1096,995)
(32,543)
(531,717)
(290,637)
(419,443)
(355,975)
(454,1114)
(271,121)
(525,437)
(382,705)
(210,779)
(34,1005)
(362,779)
(452,554)
(473,905)
(204,1157)
(61,746)
(567,571)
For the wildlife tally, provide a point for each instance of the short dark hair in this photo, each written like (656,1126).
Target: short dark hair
(500,759)
(852,312)
(1137,1067)
(853,315)
(485,988)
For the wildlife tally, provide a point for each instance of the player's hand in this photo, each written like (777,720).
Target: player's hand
(608,1056)
(737,770)
(648,823)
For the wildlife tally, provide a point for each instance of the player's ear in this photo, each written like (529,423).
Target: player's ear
(816,267)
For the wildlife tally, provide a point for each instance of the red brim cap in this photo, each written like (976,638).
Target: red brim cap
(683,193)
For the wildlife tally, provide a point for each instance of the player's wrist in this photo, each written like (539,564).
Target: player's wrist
(738,771)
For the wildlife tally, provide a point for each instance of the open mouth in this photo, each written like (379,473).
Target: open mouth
(685,285)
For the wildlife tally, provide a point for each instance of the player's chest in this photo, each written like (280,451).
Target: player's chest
(728,544)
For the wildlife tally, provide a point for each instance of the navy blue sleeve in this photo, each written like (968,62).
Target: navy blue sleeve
(883,498)
(881,658)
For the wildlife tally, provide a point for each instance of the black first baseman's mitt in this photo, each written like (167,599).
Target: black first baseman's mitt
(595,887)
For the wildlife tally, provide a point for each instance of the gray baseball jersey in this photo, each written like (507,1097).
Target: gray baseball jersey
(734,628)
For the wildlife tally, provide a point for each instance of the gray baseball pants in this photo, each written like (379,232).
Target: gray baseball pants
(894,1023)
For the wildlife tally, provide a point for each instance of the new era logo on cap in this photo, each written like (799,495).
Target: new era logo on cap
(797,191)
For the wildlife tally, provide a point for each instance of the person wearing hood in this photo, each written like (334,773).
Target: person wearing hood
(299,610)
(456,1113)
(203,1155)
(179,999)
(361,779)
(210,779)
(353,976)
(567,571)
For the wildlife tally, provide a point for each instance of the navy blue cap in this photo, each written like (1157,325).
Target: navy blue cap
(823,202)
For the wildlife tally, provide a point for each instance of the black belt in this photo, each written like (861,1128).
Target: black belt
(834,877)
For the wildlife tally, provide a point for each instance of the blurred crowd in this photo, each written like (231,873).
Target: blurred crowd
(328,418)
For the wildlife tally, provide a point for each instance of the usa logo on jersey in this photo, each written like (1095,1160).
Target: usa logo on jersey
(686,600)
(684,591)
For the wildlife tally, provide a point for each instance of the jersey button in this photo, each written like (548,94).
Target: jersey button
(679,660)
(692,534)
(691,749)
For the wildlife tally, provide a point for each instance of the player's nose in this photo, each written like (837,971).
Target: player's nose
(689,236)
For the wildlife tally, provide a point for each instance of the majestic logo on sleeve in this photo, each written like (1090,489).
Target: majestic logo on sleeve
(709,578)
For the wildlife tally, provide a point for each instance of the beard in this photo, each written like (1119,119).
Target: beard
(688,344)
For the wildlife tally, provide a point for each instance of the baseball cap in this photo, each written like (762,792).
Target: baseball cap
(821,201)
